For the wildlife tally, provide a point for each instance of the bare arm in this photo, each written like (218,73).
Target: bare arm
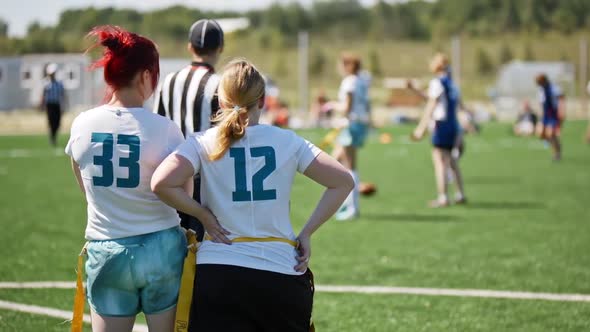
(170,184)
(326,171)
(420,93)
(561,107)
(189,187)
(78,175)
(42,102)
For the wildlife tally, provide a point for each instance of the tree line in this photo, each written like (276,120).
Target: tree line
(278,24)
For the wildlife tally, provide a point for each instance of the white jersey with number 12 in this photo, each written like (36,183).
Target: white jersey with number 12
(249,191)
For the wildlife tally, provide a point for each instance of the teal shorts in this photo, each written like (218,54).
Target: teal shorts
(354,135)
(133,274)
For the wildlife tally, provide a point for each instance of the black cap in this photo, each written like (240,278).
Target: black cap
(206,34)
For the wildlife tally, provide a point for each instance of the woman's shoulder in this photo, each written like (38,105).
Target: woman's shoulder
(204,137)
(266,129)
(281,136)
(350,79)
(435,81)
(88,114)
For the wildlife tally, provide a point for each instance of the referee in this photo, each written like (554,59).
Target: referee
(52,101)
(189,96)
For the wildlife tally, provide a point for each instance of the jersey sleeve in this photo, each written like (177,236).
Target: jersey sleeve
(306,153)
(541,96)
(190,151)
(74,135)
(175,137)
(435,89)
(347,85)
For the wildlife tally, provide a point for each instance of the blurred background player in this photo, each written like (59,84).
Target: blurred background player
(441,107)
(526,121)
(189,97)
(466,122)
(135,249)
(553,106)
(276,111)
(353,97)
(261,282)
(321,110)
(53,101)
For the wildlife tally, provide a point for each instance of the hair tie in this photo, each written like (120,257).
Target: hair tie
(237,108)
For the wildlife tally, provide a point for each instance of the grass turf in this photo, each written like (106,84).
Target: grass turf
(526,228)
(379,313)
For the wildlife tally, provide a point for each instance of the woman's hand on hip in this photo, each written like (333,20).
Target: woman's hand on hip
(303,252)
(217,233)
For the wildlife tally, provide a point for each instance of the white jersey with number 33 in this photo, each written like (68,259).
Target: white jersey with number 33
(118,150)
(249,191)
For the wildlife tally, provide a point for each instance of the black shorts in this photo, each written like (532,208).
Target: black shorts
(237,299)
(443,147)
(54,116)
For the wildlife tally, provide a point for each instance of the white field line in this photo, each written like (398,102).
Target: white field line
(483,293)
(31,153)
(38,284)
(454,292)
(51,312)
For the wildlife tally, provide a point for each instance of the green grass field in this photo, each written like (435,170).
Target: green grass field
(526,228)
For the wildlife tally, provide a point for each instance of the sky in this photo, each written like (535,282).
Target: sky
(20,13)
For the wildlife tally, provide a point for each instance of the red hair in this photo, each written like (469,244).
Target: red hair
(125,54)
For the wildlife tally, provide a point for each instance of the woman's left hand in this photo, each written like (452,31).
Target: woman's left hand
(304,252)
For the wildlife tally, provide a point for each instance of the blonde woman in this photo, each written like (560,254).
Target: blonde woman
(251,272)
(443,99)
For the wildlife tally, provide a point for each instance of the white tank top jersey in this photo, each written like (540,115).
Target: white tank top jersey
(436,91)
(118,150)
(249,191)
(358,86)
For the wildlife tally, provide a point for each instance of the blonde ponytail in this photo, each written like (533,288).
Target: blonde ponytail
(240,88)
(231,126)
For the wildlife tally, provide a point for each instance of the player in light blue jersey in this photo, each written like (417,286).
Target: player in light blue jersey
(353,99)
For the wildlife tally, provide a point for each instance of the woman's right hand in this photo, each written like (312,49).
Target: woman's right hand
(217,233)
(304,252)
(417,135)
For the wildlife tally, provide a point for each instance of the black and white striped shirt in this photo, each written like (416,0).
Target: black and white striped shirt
(189,97)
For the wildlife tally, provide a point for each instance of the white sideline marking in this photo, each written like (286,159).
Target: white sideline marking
(454,292)
(370,290)
(31,153)
(38,284)
(51,312)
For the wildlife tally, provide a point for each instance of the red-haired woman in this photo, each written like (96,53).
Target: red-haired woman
(136,248)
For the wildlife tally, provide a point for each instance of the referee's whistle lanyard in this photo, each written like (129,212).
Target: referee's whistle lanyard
(189,272)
